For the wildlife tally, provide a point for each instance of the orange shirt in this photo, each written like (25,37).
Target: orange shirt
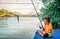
(48,28)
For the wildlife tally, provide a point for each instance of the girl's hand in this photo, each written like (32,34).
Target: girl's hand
(50,30)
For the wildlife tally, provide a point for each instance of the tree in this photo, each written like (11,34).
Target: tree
(53,11)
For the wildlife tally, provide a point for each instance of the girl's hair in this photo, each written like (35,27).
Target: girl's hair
(47,18)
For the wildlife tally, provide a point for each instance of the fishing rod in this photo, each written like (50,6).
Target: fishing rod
(37,14)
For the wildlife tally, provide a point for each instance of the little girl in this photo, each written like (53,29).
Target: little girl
(47,28)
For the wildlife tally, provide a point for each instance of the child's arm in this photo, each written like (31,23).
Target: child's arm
(43,29)
(50,30)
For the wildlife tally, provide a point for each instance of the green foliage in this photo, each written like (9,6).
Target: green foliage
(53,11)
(4,12)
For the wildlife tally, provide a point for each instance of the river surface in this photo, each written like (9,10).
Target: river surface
(10,28)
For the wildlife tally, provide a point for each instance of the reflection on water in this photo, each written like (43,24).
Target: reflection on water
(25,29)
